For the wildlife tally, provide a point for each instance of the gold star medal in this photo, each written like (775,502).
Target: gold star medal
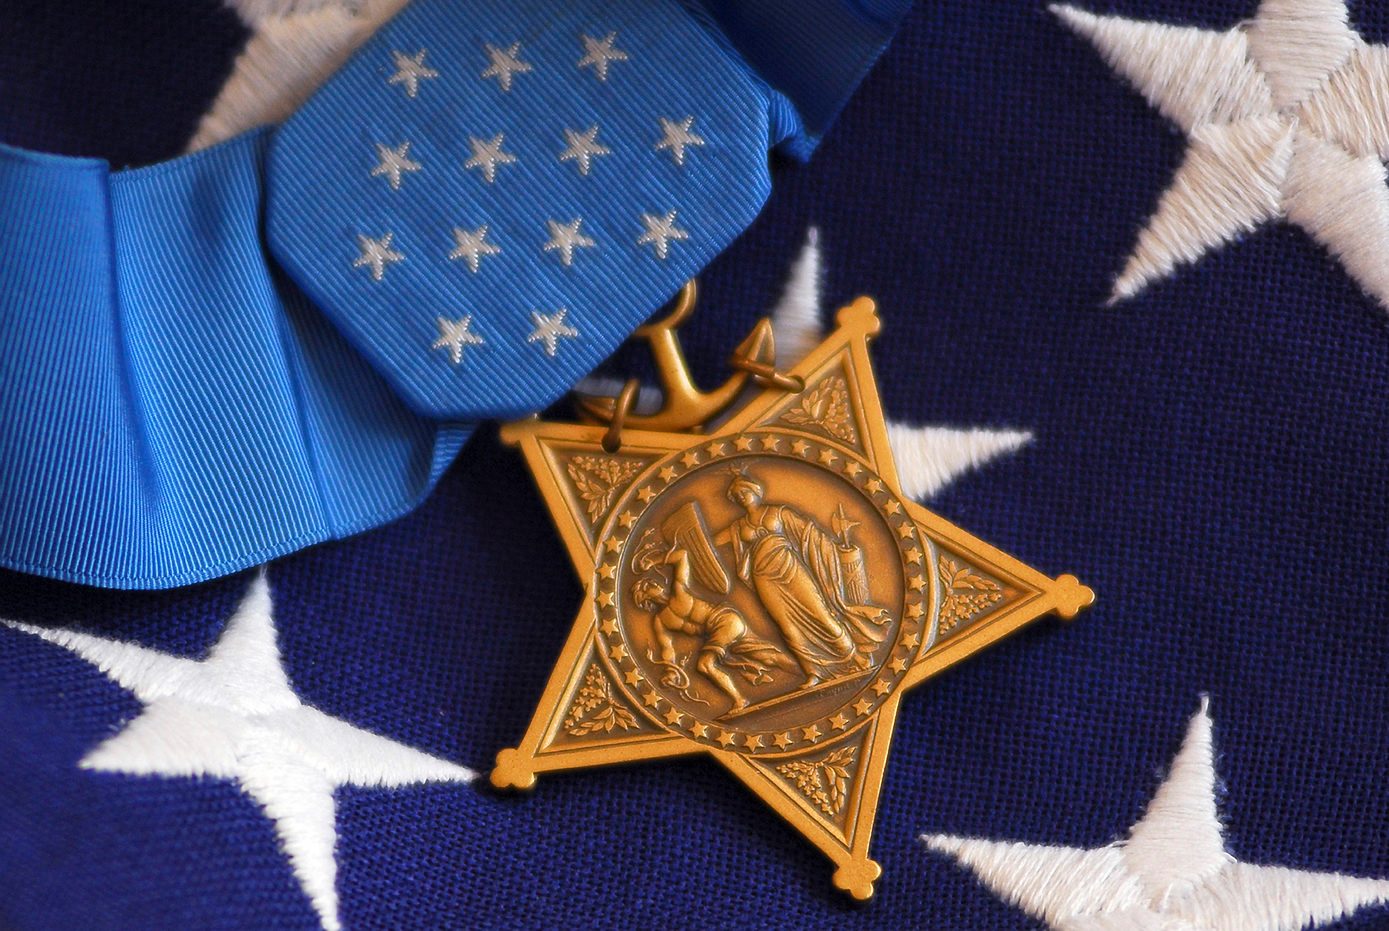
(759,589)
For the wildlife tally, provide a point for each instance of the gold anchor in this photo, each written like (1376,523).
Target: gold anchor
(684,407)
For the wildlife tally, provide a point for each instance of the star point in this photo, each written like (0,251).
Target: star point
(410,70)
(505,62)
(454,335)
(599,53)
(550,329)
(660,232)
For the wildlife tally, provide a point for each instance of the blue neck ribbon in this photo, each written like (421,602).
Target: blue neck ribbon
(285,339)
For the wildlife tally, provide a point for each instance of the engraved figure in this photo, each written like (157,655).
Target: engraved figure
(727,644)
(797,571)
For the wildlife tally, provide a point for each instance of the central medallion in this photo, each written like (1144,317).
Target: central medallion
(761,594)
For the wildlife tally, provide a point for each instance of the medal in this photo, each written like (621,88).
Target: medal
(758,589)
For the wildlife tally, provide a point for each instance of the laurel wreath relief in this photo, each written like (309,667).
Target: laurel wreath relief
(967,593)
(825,781)
(825,406)
(595,709)
(598,479)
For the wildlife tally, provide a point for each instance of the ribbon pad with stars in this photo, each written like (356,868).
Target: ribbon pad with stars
(516,189)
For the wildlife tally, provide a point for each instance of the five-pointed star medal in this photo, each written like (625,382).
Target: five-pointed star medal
(762,593)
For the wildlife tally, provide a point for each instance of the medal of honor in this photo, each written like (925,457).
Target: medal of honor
(758,589)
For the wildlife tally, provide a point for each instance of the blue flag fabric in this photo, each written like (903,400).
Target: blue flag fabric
(1208,455)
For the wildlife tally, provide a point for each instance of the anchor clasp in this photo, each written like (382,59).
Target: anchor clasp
(684,407)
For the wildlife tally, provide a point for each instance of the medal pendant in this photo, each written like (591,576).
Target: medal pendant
(762,593)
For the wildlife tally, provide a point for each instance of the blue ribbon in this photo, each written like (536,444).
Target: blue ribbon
(229,356)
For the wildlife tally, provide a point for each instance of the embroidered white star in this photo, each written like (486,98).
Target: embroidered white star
(487,155)
(582,148)
(599,52)
(376,254)
(676,136)
(1286,116)
(1171,873)
(235,716)
(505,63)
(550,329)
(454,335)
(393,163)
(472,246)
(659,232)
(565,238)
(410,70)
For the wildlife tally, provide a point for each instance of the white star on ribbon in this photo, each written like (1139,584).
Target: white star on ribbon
(472,246)
(487,155)
(550,329)
(235,716)
(410,70)
(565,238)
(582,148)
(659,232)
(1287,118)
(376,254)
(1171,874)
(599,52)
(393,163)
(505,63)
(454,335)
(676,136)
